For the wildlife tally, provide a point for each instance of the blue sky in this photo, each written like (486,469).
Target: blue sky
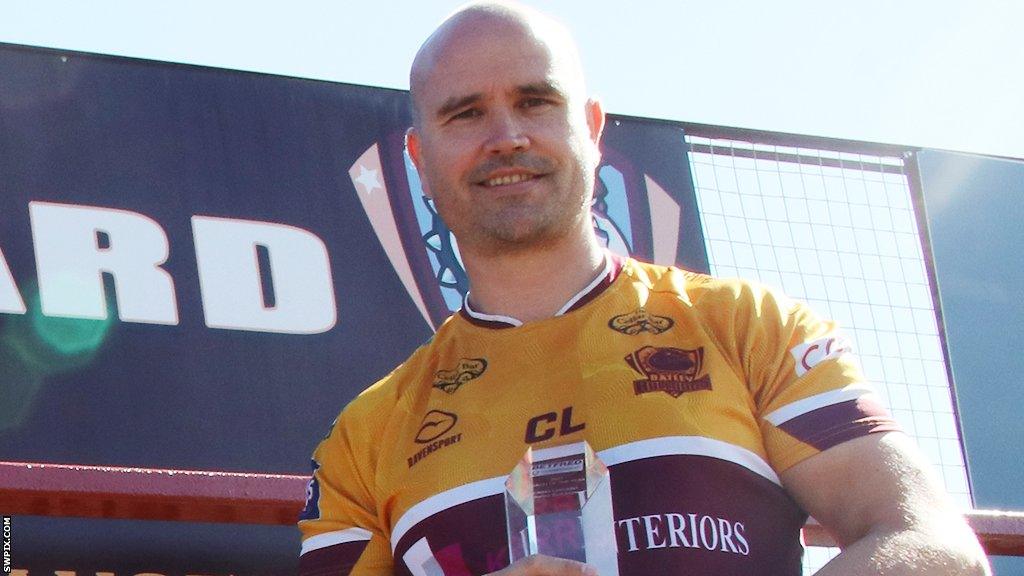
(936,73)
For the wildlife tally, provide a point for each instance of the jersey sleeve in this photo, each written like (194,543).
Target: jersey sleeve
(807,386)
(341,532)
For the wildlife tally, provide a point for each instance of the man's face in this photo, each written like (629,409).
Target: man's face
(506,143)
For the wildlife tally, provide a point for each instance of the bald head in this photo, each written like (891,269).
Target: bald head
(505,139)
(494,23)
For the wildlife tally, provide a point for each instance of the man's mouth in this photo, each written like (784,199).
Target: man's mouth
(508,179)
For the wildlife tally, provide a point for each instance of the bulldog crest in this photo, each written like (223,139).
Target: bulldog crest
(673,371)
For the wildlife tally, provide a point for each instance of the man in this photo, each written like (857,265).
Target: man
(717,441)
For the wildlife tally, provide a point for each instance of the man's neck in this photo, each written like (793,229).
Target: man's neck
(534,284)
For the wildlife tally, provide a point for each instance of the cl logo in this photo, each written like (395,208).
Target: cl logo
(545,426)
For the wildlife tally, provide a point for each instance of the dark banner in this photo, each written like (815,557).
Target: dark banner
(200,267)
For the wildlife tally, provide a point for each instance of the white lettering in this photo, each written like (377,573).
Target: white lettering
(725,529)
(744,547)
(705,522)
(629,531)
(710,532)
(70,263)
(677,530)
(652,531)
(7,545)
(10,298)
(229,276)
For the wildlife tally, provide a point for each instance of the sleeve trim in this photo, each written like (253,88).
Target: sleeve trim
(834,424)
(852,430)
(337,537)
(812,403)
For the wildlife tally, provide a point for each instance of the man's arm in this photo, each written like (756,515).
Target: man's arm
(880,500)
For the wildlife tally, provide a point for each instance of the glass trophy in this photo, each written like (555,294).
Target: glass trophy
(558,502)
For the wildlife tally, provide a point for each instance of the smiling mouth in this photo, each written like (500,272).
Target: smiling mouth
(508,180)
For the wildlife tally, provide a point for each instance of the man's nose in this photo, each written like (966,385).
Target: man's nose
(507,133)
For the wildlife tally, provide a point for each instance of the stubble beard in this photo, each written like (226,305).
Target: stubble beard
(516,224)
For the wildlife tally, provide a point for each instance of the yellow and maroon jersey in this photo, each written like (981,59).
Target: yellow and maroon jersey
(695,392)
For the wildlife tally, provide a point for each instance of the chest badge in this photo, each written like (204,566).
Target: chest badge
(673,371)
(640,320)
(466,370)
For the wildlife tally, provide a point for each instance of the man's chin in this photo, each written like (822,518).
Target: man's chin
(511,238)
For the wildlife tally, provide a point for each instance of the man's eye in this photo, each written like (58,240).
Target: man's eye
(466,114)
(534,102)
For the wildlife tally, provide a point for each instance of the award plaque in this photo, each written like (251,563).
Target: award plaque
(558,502)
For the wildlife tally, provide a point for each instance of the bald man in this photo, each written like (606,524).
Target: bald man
(716,454)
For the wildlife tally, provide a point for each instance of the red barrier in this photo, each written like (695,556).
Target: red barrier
(147,494)
(1001,533)
(242,498)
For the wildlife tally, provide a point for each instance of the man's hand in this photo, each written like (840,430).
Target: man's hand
(546,566)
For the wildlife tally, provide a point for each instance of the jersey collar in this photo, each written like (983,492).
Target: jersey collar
(612,266)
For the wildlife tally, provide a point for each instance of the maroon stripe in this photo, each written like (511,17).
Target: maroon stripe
(702,515)
(451,561)
(831,425)
(336,560)
(617,263)
(467,538)
(672,515)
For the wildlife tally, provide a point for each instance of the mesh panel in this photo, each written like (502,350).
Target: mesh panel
(838,230)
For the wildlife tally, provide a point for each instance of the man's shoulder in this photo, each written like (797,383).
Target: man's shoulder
(695,287)
(411,377)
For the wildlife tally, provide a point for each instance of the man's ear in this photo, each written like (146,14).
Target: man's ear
(412,145)
(595,119)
